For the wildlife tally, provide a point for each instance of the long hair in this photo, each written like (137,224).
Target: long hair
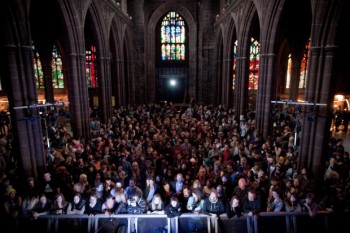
(157,206)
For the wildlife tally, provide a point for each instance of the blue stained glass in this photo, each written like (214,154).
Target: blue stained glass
(172,39)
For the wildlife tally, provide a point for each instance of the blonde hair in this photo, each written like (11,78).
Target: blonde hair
(155,206)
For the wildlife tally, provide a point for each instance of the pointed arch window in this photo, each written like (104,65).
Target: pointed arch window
(254,64)
(172,33)
(234,64)
(91,67)
(38,70)
(57,68)
(289,71)
(304,66)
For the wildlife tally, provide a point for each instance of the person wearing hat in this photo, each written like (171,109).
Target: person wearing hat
(11,208)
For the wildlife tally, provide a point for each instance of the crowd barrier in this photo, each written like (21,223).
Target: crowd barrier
(266,222)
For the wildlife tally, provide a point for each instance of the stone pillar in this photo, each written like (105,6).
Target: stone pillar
(104,88)
(46,59)
(25,117)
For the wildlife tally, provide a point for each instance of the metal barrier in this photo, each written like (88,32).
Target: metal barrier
(266,222)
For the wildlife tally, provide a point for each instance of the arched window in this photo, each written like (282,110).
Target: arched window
(38,70)
(304,65)
(172,33)
(91,67)
(234,64)
(254,64)
(303,68)
(57,69)
(56,66)
(289,71)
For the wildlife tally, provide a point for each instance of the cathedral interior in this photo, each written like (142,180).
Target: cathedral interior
(90,57)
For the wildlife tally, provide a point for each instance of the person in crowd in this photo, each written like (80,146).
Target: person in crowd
(252,204)
(210,184)
(132,189)
(274,201)
(93,205)
(173,209)
(292,203)
(11,208)
(225,189)
(195,201)
(178,184)
(136,204)
(242,189)
(214,207)
(30,187)
(98,185)
(151,189)
(29,204)
(156,206)
(234,208)
(166,192)
(118,193)
(109,206)
(59,205)
(309,204)
(49,186)
(43,207)
(77,206)
(306,180)
(79,187)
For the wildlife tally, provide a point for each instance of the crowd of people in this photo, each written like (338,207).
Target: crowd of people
(167,159)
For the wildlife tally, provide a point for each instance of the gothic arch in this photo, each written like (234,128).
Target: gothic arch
(150,53)
(277,34)
(117,61)
(245,29)
(225,49)
(128,75)
(73,26)
(220,81)
(100,29)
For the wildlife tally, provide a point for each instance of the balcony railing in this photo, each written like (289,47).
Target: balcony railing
(266,222)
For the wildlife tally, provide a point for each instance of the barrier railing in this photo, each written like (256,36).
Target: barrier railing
(266,222)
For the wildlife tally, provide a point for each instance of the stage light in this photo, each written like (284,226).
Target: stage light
(173,82)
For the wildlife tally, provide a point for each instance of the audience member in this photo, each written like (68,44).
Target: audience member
(234,208)
(77,206)
(156,206)
(93,205)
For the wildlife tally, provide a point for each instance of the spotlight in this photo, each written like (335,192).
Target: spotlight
(173,82)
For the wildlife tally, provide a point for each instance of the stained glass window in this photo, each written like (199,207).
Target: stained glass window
(91,67)
(254,64)
(234,64)
(38,70)
(303,66)
(172,33)
(289,71)
(57,69)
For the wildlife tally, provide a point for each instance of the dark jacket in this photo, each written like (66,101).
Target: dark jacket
(210,207)
(252,206)
(172,211)
(231,212)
